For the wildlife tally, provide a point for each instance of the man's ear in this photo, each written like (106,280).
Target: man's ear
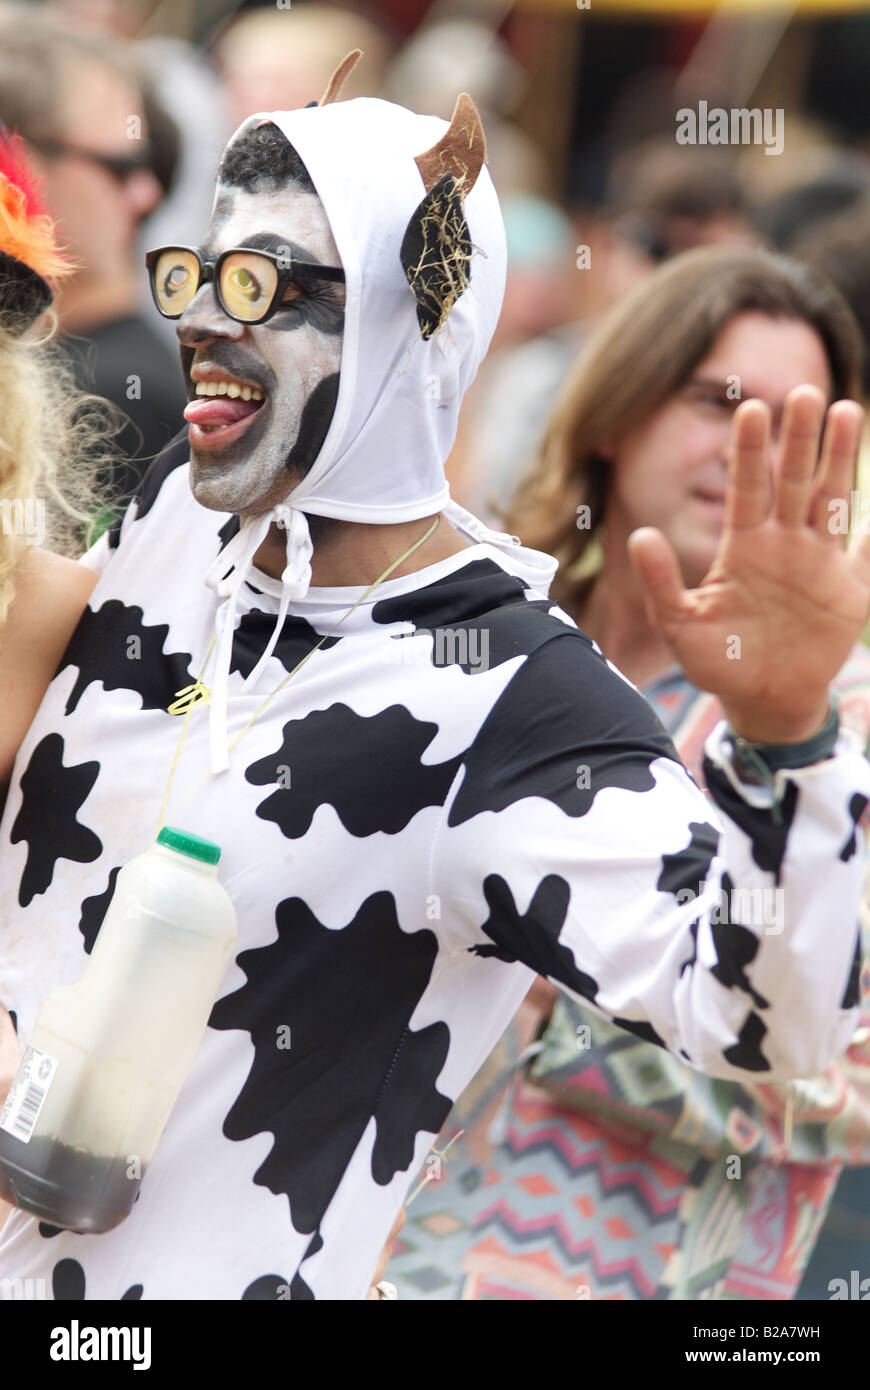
(436,248)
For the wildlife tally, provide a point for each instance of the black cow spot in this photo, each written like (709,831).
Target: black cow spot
(768,837)
(856,811)
(746,1052)
(51,795)
(295,642)
(317,412)
(689,867)
(690,960)
(852,992)
(477,589)
(113,646)
(402,1111)
(113,533)
(299,1289)
(565,728)
(370,787)
(13,1015)
(68,1280)
(68,1283)
(350,1057)
(641,1030)
(227,531)
(267,1286)
(49,1231)
(533,937)
(94,910)
(735,947)
(478,617)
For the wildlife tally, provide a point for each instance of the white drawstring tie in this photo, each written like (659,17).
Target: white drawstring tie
(225,576)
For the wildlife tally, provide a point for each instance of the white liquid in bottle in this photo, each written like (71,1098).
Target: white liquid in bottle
(109,1054)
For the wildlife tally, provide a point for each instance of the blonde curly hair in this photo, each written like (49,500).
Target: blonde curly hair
(54,439)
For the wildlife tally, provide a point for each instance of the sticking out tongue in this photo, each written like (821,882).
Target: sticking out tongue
(219,410)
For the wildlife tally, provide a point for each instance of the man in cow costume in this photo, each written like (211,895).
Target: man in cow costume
(429,790)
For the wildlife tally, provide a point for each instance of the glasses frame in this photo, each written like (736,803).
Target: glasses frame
(299,273)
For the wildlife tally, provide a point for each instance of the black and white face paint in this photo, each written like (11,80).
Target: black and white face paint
(261,397)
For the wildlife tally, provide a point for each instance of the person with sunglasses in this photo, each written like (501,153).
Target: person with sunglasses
(81,107)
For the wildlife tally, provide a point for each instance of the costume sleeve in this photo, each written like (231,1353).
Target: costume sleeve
(574,841)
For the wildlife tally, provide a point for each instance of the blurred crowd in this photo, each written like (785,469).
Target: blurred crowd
(125,127)
(126,132)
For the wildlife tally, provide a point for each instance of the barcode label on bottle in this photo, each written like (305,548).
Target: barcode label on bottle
(27,1096)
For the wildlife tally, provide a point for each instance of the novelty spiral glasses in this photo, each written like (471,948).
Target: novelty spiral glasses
(250,285)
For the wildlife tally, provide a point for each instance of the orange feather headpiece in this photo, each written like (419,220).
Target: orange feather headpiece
(29,254)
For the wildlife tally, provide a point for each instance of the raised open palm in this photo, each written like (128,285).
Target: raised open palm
(784,602)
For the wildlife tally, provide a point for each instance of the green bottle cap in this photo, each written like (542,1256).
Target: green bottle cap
(191,845)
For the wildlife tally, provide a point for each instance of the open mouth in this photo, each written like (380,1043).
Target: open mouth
(222,409)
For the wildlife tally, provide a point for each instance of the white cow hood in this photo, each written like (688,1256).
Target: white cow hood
(399,392)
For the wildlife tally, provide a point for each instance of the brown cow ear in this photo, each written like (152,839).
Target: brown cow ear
(335,82)
(436,249)
(461,150)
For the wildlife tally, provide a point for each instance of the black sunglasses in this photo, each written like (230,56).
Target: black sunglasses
(250,285)
(122,166)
